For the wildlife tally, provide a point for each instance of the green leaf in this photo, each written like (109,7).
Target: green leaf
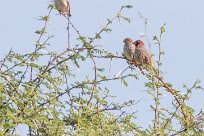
(124,82)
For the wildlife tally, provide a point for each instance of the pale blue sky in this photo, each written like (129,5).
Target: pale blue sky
(182,42)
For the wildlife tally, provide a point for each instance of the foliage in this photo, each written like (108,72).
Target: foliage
(47,98)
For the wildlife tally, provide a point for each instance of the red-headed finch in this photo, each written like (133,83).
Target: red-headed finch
(142,55)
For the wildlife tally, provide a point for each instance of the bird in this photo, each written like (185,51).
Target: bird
(63,7)
(129,49)
(141,55)
(129,53)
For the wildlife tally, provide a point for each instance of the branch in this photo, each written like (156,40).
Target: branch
(181,104)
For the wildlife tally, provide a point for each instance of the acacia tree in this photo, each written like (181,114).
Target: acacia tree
(46,96)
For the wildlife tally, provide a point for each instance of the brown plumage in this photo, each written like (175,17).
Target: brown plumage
(142,55)
(129,49)
(63,7)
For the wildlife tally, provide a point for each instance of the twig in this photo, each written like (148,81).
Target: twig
(175,96)
(68,33)
(69,22)
(4,60)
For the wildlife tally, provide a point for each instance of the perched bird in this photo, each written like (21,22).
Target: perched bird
(129,52)
(142,55)
(129,49)
(63,7)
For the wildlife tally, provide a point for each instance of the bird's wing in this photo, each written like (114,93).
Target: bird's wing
(147,56)
(142,56)
(138,55)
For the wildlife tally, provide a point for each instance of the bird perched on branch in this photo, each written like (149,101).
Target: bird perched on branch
(137,54)
(142,55)
(129,49)
(63,7)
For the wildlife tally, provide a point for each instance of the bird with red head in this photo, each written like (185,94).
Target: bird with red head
(142,55)
(139,43)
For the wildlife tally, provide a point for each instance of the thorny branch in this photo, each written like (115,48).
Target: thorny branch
(56,61)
